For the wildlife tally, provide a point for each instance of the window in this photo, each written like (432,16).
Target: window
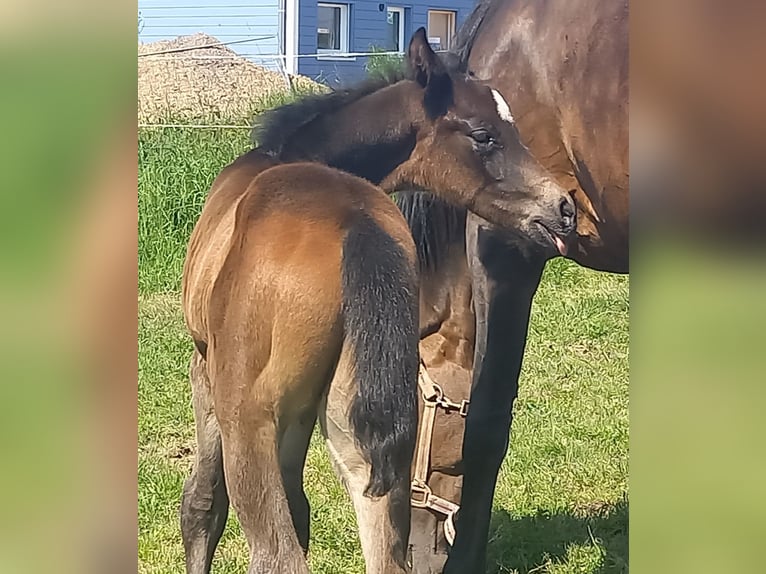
(441,29)
(395,33)
(332,28)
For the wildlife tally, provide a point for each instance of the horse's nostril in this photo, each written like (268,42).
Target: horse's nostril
(567,207)
(567,211)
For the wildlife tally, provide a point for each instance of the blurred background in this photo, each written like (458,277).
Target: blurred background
(697,149)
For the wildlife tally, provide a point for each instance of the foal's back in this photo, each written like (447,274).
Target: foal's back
(281,269)
(299,211)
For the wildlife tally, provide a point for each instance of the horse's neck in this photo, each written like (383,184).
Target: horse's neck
(438,230)
(368,137)
(447,318)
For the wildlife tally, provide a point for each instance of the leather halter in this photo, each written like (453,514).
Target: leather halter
(421,495)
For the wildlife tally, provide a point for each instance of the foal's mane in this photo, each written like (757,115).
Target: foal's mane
(435,225)
(274,129)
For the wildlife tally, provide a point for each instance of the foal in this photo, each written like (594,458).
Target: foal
(302,300)
(300,292)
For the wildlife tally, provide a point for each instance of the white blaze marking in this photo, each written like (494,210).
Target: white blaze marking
(502,107)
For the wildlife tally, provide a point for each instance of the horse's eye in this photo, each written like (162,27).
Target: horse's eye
(482,136)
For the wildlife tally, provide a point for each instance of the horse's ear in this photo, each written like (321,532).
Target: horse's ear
(429,71)
(422,60)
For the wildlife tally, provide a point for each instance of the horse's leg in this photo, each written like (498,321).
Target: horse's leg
(424,537)
(251,462)
(384,522)
(428,540)
(293,447)
(205,504)
(504,283)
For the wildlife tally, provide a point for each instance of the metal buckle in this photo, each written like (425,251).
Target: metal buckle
(448,405)
(417,489)
(442,505)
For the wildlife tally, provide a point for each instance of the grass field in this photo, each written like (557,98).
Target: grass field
(561,502)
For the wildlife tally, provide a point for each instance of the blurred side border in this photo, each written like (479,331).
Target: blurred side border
(698,286)
(68,298)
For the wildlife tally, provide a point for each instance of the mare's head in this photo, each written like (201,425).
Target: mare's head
(436,130)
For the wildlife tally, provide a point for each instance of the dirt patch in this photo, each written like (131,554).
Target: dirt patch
(210,84)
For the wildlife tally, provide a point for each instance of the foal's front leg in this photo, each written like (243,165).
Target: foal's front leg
(504,283)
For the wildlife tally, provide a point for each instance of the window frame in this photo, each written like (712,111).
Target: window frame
(399,10)
(345,31)
(452,21)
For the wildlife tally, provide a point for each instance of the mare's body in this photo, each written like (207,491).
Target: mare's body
(562,67)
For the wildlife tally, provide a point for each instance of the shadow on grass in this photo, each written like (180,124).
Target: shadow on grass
(526,544)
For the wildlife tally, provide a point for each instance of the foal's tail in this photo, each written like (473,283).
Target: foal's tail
(380,315)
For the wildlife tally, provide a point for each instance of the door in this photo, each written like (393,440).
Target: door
(441,29)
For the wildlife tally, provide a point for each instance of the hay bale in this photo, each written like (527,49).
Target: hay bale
(181,86)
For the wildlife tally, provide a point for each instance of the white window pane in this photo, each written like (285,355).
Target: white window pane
(328,28)
(394,23)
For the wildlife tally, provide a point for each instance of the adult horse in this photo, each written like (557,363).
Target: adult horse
(299,291)
(562,65)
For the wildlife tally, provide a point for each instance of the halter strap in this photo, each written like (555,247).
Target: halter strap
(421,495)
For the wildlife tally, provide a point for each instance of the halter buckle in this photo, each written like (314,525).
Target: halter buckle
(419,495)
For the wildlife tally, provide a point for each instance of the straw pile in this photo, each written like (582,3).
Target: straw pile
(181,86)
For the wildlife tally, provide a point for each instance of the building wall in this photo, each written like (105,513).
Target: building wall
(367,23)
(226,20)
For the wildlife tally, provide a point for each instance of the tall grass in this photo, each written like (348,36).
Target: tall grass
(176,167)
(381,65)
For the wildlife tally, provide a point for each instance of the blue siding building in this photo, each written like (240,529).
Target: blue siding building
(353,26)
(254,26)
(309,37)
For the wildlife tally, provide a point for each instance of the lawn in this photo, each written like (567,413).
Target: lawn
(561,502)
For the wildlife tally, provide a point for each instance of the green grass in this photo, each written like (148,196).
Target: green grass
(382,65)
(561,503)
(176,167)
(175,170)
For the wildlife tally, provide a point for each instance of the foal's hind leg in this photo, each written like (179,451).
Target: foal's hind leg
(205,504)
(293,447)
(384,522)
(257,494)
(250,437)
